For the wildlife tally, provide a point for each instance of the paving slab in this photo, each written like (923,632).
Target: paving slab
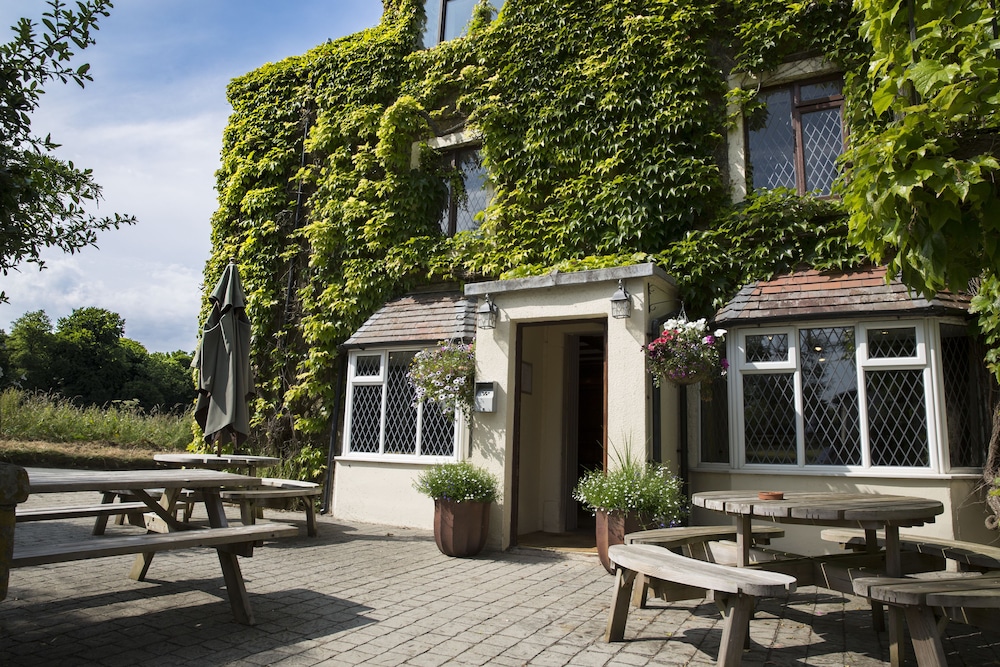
(363,594)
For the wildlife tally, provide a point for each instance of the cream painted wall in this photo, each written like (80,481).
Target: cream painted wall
(380,493)
(627,400)
(959,520)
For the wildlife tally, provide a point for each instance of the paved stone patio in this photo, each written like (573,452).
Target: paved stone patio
(363,594)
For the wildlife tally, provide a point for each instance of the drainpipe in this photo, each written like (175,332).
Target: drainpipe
(334,422)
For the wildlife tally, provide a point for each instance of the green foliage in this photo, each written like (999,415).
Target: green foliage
(42,198)
(921,178)
(602,127)
(647,489)
(87,359)
(26,415)
(460,481)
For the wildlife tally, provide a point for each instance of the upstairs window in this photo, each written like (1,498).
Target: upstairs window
(448,19)
(469,192)
(796,140)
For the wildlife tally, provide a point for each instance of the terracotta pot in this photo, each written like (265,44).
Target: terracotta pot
(612,529)
(461,528)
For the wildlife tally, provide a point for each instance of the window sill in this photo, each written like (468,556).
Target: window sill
(879,473)
(411,459)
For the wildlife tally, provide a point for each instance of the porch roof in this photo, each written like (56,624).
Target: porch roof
(816,295)
(419,318)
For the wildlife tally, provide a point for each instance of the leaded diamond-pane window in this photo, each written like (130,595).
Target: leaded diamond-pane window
(769,418)
(795,138)
(383,416)
(469,192)
(967,390)
(892,343)
(897,418)
(862,395)
(766,347)
(830,396)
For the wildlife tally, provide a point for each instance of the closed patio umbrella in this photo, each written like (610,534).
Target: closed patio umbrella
(225,383)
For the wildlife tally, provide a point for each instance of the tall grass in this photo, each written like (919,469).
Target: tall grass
(39,416)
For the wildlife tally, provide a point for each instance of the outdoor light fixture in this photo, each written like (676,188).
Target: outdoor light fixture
(486,314)
(621,303)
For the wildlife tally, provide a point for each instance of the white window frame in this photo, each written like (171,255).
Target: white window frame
(353,380)
(924,359)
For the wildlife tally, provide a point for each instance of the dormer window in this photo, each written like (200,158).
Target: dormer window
(797,139)
(448,19)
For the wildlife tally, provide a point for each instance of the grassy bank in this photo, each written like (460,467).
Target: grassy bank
(50,431)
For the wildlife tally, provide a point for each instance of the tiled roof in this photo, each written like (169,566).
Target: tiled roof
(425,317)
(814,294)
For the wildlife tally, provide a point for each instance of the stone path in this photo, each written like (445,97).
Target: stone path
(362,594)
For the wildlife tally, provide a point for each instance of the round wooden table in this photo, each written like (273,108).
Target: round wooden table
(869,511)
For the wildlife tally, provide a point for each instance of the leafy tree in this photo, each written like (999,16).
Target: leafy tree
(42,198)
(88,359)
(922,179)
(30,348)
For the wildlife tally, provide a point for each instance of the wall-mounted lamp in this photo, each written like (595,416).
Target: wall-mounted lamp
(486,314)
(621,303)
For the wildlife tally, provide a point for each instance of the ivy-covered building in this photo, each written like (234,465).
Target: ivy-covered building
(549,162)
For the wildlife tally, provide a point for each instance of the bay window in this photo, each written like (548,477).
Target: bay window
(902,395)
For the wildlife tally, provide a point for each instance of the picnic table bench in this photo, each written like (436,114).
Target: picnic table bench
(273,488)
(165,532)
(971,598)
(734,590)
(957,555)
(694,541)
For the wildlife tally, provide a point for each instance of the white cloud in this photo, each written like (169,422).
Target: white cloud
(150,126)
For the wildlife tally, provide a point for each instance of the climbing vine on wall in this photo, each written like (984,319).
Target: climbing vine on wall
(603,128)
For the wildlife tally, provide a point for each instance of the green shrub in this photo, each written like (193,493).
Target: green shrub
(648,490)
(458,481)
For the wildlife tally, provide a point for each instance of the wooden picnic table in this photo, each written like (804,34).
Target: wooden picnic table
(216,461)
(868,511)
(164,530)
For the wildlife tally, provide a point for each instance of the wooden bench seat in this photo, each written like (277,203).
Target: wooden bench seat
(42,554)
(227,541)
(699,542)
(971,598)
(102,509)
(273,488)
(733,589)
(957,554)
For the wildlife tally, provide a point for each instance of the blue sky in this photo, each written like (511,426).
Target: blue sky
(150,126)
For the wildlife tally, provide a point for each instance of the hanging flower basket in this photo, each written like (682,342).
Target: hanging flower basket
(446,375)
(687,353)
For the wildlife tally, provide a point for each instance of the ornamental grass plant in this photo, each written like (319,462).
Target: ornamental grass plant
(460,482)
(646,489)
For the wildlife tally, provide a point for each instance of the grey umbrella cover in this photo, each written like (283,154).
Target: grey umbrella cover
(225,382)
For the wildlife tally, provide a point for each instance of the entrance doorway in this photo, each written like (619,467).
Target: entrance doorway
(560,430)
(587,419)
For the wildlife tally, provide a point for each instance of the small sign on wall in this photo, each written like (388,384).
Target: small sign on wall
(486,397)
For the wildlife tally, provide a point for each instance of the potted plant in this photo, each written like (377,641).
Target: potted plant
(446,375)
(462,494)
(631,496)
(688,353)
